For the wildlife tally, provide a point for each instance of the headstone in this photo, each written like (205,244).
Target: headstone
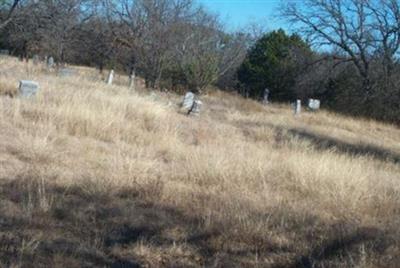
(196,108)
(317,104)
(28,88)
(187,103)
(132,81)
(266,95)
(110,78)
(314,104)
(50,62)
(35,59)
(66,72)
(4,52)
(297,107)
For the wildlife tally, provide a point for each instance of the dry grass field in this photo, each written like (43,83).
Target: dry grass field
(95,175)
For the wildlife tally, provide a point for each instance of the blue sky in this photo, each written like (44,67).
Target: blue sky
(238,13)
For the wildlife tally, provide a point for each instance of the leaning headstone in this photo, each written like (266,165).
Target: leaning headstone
(297,107)
(28,88)
(35,59)
(110,78)
(187,103)
(196,108)
(50,62)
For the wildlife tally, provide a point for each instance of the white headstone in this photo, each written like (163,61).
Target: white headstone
(196,107)
(297,107)
(50,62)
(110,78)
(314,104)
(187,103)
(28,88)
(132,81)
(317,104)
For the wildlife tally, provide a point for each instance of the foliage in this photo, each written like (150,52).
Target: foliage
(274,62)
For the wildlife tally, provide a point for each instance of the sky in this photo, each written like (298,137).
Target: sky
(236,14)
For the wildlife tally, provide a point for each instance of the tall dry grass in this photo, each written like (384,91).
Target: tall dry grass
(260,186)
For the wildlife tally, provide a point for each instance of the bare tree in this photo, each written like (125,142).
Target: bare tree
(363,30)
(7,9)
(58,20)
(145,27)
(207,53)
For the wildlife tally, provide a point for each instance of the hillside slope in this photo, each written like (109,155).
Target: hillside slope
(93,175)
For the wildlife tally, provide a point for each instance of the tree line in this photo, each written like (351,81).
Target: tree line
(344,52)
(170,43)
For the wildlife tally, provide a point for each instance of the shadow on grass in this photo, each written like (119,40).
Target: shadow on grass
(90,230)
(326,142)
(101,230)
(342,245)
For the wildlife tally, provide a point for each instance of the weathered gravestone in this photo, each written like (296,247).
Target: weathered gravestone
(187,103)
(196,108)
(313,104)
(66,72)
(36,59)
(28,88)
(110,77)
(191,105)
(297,107)
(50,62)
(317,104)
(266,96)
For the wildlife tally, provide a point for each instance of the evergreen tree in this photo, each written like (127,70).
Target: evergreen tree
(274,62)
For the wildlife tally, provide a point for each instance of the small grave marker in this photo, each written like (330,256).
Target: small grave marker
(28,88)
(50,62)
(266,96)
(297,107)
(110,78)
(132,81)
